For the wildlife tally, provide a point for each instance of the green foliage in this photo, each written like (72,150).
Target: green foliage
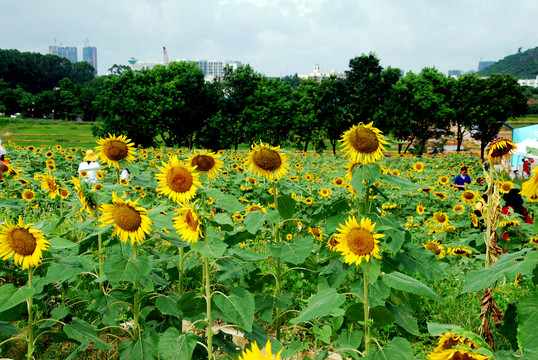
(523,65)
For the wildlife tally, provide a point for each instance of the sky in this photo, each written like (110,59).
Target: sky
(277,37)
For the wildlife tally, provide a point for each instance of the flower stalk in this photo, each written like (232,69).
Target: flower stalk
(30,302)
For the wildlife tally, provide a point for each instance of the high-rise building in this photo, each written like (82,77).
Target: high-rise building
(484,64)
(68,52)
(89,54)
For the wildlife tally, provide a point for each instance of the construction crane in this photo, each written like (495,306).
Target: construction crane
(166,61)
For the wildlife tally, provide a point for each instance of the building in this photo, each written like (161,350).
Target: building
(454,73)
(89,54)
(68,52)
(214,69)
(529,82)
(484,64)
(318,75)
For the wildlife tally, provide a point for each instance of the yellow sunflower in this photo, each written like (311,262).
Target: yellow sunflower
(363,143)
(459,251)
(266,161)
(255,353)
(23,243)
(115,148)
(469,197)
(418,166)
(499,150)
(440,218)
(357,242)
(530,187)
(326,193)
(534,240)
(456,354)
(48,183)
(316,232)
(338,181)
(308,201)
(64,193)
(444,180)
(440,195)
(206,162)
(237,217)
(255,207)
(178,180)
(188,223)
(458,209)
(506,186)
(85,196)
(28,195)
(130,221)
(420,209)
(435,247)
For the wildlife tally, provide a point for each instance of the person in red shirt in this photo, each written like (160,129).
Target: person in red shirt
(526,168)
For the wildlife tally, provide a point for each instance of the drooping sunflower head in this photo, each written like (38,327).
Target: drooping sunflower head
(87,199)
(357,241)
(435,247)
(206,162)
(49,184)
(456,354)
(459,251)
(363,143)
(440,217)
(440,195)
(178,180)
(418,166)
(23,243)
(130,221)
(114,148)
(188,223)
(499,150)
(28,195)
(255,353)
(267,161)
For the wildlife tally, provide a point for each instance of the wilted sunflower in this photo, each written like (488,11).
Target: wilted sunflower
(499,150)
(357,242)
(48,183)
(316,232)
(255,354)
(469,197)
(130,221)
(435,247)
(266,161)
(206,162)
(28,195)
(188,223)
(22,242)
(363,143)
(459,251)
(440,217)
(115,148)
(456,354)
(420,209)
(418,166)
(506,186)
(178,180)
(530,187)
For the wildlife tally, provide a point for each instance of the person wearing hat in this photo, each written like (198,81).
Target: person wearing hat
(90,165)
(2,155)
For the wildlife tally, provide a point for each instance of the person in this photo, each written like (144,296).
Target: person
(514,201)
(526,168)
(462,179)
(125,174)
(90,165)
(2,155)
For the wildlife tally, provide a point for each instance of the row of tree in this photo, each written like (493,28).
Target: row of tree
(174,104)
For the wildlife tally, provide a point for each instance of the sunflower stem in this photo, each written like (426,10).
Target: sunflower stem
(209,330)
(488,218)
(30,334)
(278,267)
(366,314)
(181,266)
(136,301)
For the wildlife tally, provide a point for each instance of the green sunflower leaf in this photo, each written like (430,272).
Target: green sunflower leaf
(286,206)
(237,308)
(405,319)
(399,281)
(397,349)
(118,268)
(528,317)
(6,328)
(175,345)
(294,252)
(323,303)
(83,332)
(11,295)
(144,348)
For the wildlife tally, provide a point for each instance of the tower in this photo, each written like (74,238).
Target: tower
(165,53)
(89,54)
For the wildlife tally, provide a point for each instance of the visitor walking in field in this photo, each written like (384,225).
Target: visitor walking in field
(462,179)
(2,155)
(89,167)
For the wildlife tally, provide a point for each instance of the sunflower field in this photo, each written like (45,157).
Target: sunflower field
(264,254)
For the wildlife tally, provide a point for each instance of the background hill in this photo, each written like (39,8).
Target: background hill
(523,65)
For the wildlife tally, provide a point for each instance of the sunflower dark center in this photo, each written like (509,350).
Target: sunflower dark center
(64,193)
(315,232)
(333,241)
(459,251)
(28,195)
(127,218)
(433,248)
(360,241)
(364,140)
(52,185)
(115,150)
(468,195)
(255,208)
(180,180)
(203,162)
(22,241)
(191,221)
(440,217)
(267,159)
(339,181)
(500,152)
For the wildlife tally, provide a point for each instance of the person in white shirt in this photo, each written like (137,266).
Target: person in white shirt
(125,174)
(90,165)
(2,154)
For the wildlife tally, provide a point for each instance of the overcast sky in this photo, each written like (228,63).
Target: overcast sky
(277,37)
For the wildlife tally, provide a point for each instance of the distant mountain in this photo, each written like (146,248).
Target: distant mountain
(523,65)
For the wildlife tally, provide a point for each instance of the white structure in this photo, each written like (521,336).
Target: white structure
(528,82)
(318,75)
(213,69)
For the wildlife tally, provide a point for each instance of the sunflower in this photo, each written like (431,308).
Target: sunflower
(316,232)
(64,193)
(188,223)
(459,251)
(206,162)
(255,207)
(440,218)
(85,196)
(338,181)
(251,180)
(130,221)
(178,180)
(530,187)
(420,209)
(326,193)
(363,143)
(418,166)
(22,242)
(458,209)
(308,201)
(499,150)
(97,187)
(28,195)
(534,240)
(356,241)
(448,341)
(435,247)
(444,180)
(115,148)
(440,195)
(456,354)
(255,354)
(266,161)
(506,186)
(237,217)
(48,183)
(469,197)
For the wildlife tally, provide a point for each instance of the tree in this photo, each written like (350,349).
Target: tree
(332,109)
(465,92)
(117,70)
(306,124)
(13,101)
